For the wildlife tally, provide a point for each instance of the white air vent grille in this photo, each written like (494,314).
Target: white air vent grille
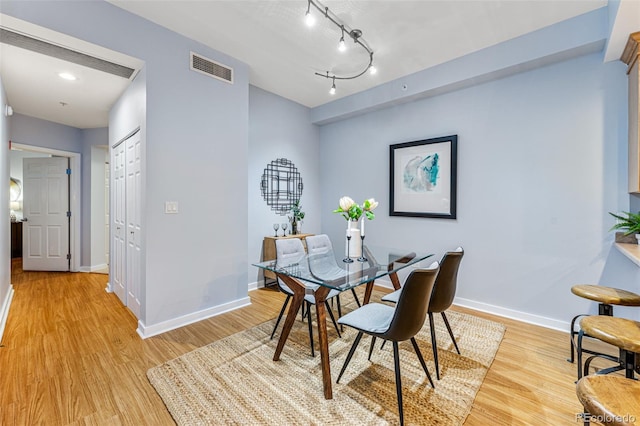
(55,51)
(211,68)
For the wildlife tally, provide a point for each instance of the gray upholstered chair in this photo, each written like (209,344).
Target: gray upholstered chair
(442,297)
(398,323)
(290,251)
(319,244)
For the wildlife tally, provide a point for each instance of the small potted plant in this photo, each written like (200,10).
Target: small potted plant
(628,222)
(296,216)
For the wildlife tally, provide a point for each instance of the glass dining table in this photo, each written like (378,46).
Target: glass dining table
(319,273)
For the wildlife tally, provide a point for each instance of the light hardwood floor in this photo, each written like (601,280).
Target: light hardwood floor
(71,355)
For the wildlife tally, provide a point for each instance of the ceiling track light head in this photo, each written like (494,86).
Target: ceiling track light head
(356,36)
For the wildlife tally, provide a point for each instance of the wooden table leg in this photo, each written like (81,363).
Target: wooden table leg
(367,292)
(395,280)
(320,295)
(298,297)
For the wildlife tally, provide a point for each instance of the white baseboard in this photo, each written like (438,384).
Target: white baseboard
(513,314)
(92,268)
(153,330)
(384,284)
(255,285)
(4,310)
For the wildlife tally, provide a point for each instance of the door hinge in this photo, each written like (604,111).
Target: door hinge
(68,171)
(68,214)
(69,256)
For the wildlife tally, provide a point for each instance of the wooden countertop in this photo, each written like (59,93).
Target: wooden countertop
(632,251)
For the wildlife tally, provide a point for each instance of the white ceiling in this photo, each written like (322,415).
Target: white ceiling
(282,53)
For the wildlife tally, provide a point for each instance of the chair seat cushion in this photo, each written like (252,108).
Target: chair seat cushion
(392,297)
(372,318)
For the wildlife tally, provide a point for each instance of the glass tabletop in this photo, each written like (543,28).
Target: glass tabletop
(329,270)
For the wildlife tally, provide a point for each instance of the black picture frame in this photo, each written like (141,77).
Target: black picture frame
(423,178)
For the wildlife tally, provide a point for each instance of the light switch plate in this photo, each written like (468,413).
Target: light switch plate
(171,207)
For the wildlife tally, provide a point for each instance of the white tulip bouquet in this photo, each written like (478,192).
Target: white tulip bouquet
(350,210)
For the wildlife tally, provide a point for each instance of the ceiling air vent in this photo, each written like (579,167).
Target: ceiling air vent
(211,68)
(55,51)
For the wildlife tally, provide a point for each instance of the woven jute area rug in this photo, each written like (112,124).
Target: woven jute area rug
(235,381)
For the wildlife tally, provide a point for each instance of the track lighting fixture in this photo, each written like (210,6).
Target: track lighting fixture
(355,34)
(309,19)
(342,46)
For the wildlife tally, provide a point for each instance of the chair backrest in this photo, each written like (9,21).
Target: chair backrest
(411,309)
(444,290)
(317,244)
(289,251)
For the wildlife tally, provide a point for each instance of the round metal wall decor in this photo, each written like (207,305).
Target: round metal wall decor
(281,185)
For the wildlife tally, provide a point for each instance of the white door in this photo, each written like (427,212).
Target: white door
(118,202)
(46,206)
(133,220)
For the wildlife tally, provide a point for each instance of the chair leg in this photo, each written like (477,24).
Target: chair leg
(355,296)
(335,324)
(434,344)
(373,343)
(350,354)
(453,339)
(284,306)
(424,365)
(339,311)
(382,345)
(310,328)
(396,362)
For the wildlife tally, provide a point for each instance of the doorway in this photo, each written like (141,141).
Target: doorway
(74,195)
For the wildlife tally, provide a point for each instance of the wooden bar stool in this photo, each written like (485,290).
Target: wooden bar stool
(620,332)
(606,298)
(610,400)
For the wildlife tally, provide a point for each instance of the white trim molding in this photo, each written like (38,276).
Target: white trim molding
(513,314)
(93,268)
(4,310)
(153,330)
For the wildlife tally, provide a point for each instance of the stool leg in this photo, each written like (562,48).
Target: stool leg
(585,418)
(605,309)
(579,351)
(629,363)
(572,335)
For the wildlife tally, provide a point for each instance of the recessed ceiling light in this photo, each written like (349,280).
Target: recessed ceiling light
(67,76)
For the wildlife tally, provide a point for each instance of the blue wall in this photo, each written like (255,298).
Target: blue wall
(279,128)
(46,134)
(195,153)
(539,160)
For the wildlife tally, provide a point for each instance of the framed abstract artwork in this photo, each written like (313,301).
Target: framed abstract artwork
(423,178)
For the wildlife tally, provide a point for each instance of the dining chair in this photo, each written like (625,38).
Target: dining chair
(318,244)
(290,251)
(444,291)
(395,324)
